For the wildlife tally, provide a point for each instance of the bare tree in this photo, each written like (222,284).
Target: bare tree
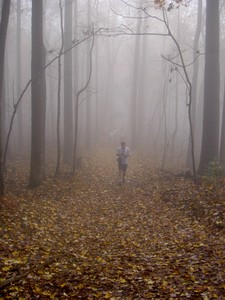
(182,64)
(18,102)
(77,103)
(187,81)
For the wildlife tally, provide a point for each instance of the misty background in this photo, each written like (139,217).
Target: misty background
(113,72)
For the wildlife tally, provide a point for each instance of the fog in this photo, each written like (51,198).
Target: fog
(137,89)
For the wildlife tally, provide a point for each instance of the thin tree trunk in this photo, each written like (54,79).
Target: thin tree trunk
(77,108)
(222,141)
(141,88)
(59,92)
(18,77)
(88,94)
(68,86)
(173,139)
(165,92)
(189,88)
(134,91)
(96,82)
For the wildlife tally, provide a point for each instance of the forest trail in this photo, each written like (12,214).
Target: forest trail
(135,241)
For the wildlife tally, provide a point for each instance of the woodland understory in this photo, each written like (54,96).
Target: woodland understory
(158,236)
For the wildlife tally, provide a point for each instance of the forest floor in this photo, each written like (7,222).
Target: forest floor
(157,236)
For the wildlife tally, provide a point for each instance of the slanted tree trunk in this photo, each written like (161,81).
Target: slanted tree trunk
(210,134)
(3,31)
(38,94)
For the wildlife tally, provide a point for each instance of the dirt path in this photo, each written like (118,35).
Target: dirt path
(110,242)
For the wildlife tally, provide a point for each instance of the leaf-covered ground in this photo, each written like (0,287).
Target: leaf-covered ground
(158,236)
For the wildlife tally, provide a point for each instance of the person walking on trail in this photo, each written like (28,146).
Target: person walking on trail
(122,153)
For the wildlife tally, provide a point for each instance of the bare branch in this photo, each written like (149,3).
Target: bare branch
(140,8)
(29,83)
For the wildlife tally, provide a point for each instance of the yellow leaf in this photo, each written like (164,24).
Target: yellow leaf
(100,259)
(47,293)
(38,290)
(108,295)
(122,280)
(6,268)
(80,286)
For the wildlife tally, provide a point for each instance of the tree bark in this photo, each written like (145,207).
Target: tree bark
(195,77)
(18,77)
(59,93)
(210,135)
(3,32)
(222,140)
(88,93)
(135,80)
(68,86)
(141,88)
(38,94)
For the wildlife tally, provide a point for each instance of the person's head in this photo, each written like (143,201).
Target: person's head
(123,144)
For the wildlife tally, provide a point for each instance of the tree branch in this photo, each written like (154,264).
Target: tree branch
(26,273)
(29,83)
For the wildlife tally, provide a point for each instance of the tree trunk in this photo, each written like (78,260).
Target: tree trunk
(68,86)
(75,80)
(38,94)
(222,141)
(97,81)
(174,134)
(142,91)
(135,80)
(210,135)
(3,32)
(59,93)
(195,77)
(164,96)
(18,77)
(88,94)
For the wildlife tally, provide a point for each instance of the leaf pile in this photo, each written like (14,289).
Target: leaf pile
(88,238)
